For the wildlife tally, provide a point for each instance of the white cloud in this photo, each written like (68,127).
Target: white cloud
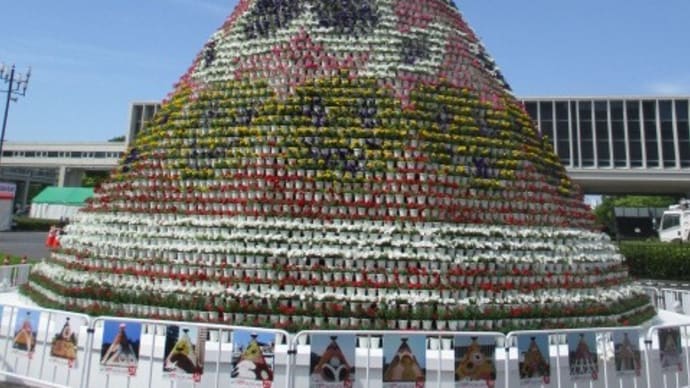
(678,87)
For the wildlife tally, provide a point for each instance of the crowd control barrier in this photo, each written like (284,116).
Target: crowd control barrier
(59,349)
(13,276)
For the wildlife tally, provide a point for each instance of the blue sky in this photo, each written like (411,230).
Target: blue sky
(90,61)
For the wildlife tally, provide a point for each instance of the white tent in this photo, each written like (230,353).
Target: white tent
(54,203)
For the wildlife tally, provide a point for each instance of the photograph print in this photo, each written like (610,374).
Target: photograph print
(582,356)
(626,350)
(534,363)
(474,361)
(25,331)
(120,347)
(670,350)
(63,345)
(185,348)
(252,358)
(332,361)
(404,361)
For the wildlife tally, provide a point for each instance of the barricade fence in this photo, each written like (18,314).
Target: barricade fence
(61,349)
(13,276)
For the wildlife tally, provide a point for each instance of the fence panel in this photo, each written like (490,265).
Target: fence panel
(398,358)
(655,296)
(601,357)
(42,344)
(668,361)
(137,352)
(13,276)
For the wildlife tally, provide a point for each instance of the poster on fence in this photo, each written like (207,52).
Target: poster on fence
(332,361)
(404,361)
(474,361)
(185,351)
(252,359)
(627,356)
(533,355)
(120,347)
(25,333)
(670,350)
(63,343)
(582,356)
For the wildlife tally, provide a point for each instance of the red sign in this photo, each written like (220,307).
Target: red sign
(7,190)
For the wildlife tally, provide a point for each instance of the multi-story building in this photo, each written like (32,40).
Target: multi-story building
(616,132)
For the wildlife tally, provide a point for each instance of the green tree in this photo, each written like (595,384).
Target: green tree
(94,178)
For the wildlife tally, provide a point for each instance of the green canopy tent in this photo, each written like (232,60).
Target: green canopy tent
(59,202)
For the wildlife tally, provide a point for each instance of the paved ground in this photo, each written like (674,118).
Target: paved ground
(31,244)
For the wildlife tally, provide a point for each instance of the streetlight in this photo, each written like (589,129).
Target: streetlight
(17,87)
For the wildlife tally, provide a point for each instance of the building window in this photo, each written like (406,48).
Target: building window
(618,134)
(602,131)
(563,132)
(546,118)
(586,133)
(52,154)
(683,132)
(668,148)
(634,133)
(576,140)
(650,139)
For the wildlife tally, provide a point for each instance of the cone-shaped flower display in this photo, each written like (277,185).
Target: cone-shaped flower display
(350,163)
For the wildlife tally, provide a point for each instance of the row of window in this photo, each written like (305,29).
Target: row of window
(62,154)
(616,133)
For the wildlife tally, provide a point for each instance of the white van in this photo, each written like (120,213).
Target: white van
(675,223)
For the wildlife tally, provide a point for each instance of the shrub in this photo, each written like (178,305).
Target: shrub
(657,260)
(32,224)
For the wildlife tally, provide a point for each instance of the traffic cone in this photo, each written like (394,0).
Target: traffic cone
(52,236)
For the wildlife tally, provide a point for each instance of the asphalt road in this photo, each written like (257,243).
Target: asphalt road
(29,244)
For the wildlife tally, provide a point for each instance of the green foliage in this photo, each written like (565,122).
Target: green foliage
(94,178)
(657,260)
(117,139)
(32,224)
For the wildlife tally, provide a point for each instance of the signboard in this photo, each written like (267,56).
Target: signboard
(7,193)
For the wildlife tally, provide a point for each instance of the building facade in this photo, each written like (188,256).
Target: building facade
(616,132)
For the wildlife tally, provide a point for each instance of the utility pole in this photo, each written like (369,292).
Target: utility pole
(17,85)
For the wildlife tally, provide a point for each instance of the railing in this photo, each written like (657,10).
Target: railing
(37,347)
(13,276)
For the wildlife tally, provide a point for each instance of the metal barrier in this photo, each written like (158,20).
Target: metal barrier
(675,300)
(598,357)
(431,358)
(668,345)
(43,345)
(59,349)
(654,295)
(13,276)
(148,353)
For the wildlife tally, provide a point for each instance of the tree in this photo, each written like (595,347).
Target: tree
(94,178)
(117,139)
